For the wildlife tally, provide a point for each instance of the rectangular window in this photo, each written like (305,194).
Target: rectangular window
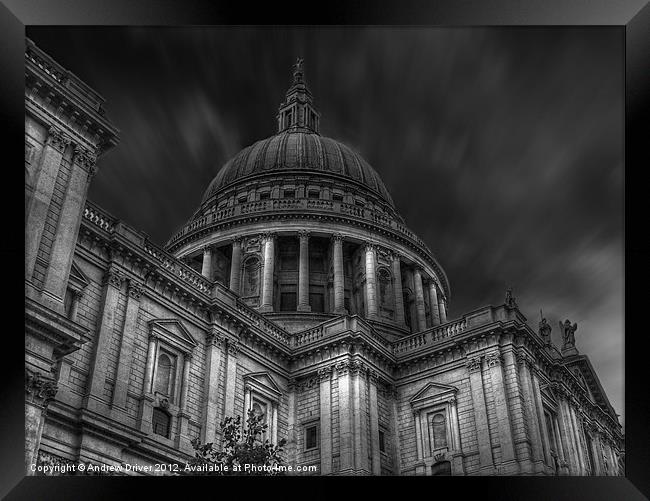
(67,302)
(289,194)
(160,422)
(265,195)
(337,197)
(382,442)
(317,302)
(313,194)
(288,262)
(316,262)
(311,437)
(288,301)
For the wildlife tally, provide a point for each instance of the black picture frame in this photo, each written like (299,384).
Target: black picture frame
(632,16)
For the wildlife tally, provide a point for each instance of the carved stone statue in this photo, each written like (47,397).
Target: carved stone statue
(510,300)
(298,65)
(545,331)
(568,334)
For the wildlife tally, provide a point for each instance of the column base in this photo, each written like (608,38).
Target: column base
(304,308)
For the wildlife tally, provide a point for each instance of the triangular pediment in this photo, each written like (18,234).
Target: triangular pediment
(586,375)
(262,381)
(77,277)
(432,393)
(174,333)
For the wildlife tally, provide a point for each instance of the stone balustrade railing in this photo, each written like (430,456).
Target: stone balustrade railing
(262,322)
(99,218)
(299,205)
(46,66)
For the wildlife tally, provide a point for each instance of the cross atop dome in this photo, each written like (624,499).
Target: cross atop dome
(297,112)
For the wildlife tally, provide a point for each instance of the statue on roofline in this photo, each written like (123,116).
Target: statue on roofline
(568,334)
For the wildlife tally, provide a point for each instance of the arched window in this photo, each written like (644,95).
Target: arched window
(161,422)
(251,277)
(165,374)
(438,430)
(386,300)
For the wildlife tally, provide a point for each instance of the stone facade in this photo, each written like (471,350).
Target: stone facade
(295,289)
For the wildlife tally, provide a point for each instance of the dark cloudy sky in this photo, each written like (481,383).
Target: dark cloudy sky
(502,148)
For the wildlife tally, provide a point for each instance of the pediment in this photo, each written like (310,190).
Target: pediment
(263,383)
(172,331)
(77,278)
(584,372)
(433,393)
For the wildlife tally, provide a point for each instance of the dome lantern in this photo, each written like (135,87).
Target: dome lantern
(297,112)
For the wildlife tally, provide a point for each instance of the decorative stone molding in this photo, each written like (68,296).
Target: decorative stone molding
(77,293)
(57,139)
(233,348)
(325,373)
(473,364)
(206,248)
(292,384)
(343,368)
(114,278)
(40,389)
(214,339)
(135,290)
(492,359)
(357,367)
(304,234)
(373,376)
(337,237)
(85,159)
(56,465)
(269,235)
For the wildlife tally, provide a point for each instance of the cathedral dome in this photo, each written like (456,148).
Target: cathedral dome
(298,150)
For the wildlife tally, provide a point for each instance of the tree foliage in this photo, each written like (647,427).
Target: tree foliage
(243,452)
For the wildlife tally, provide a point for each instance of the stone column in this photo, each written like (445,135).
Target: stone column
(566,432)
(339,287)
(183,439)
(393,396)
(493,361)
(231,376)
(442,308)
(206,268)
(345,418)
(213,346)
(291,424)
(539,406)
(433,298)
(146,410)
(303,272)
(42,195)
(126,346)
(324,378)
(235,265)
(397,289)
(374,424)
(95,399)
(39,391)
(419,300)
(532,414)
(371,282)
(74,307)
(81,170)
(576,434)
(267,282)
(359,420)
(486,461)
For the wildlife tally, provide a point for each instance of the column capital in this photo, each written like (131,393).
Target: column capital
(395,256)
(236,241)
(337,237)
(57,139)
(358,367)
(269,235)
(214,338)
(473,364)
(77,293)
(85,158)
(233,348)
(40,389)
(325,374)
(493,358)
(343,367)
(304,234)
(207,248)
(135,289)
(114,278)
(370,246)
